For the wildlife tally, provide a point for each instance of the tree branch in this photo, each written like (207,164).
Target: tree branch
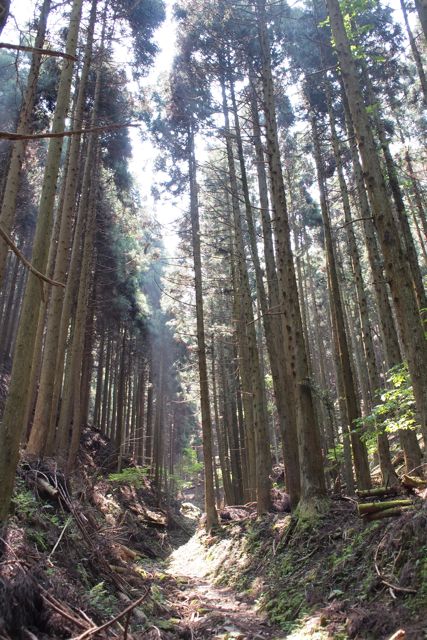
(42,52)
(351,222)
(25,262)
(5,135)
(96,630)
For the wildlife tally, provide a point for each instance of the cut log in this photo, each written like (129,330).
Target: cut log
(394,512)
(378,492)
(45,487)
(373,507)
(125,553)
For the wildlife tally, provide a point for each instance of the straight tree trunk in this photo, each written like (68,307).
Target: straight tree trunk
(226,479)
(360,455)
(387,470)
(397,270)
(148,460)
(262,441)
(66,213)
(416,191)
(280,366)
(14,414)
(211,514)
(74,414)
(140,414)
(105,391)
(313,489)
(120,406)
(415,53)
(8,209)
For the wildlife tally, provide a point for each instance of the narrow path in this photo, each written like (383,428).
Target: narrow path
(211,611)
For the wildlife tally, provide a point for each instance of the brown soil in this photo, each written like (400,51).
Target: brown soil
(95,550)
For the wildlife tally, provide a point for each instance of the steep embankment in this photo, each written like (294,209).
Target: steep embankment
(340,578)
(99,559)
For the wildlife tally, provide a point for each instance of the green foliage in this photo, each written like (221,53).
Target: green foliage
(39,539)
(26,504)
(190,467)
(190,463)
(134,476)
(335,455)
(397,408)
(101,599)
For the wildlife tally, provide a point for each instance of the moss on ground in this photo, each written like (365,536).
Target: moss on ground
(332,575)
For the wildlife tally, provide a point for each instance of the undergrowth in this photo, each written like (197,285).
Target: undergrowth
(334,575)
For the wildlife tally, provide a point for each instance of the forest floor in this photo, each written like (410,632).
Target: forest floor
(99,559)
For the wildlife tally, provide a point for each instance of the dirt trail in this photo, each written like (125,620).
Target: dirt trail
(211,611)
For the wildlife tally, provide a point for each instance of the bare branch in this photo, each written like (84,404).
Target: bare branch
(25,262)
(5,135)
(42,52)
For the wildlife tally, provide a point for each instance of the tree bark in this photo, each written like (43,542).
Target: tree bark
(12,425)
(262,441)
(313,488)
(40,430)
(211,514)
(8,209)
(396,267)
(360,455)
(415,53)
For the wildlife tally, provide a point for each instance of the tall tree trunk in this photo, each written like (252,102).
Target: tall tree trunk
(415,53)
(106,387)
(396,267)
(14,413)
(262,441)
(211,514)
(280,366)
(387,470)
(8,209)
(140,414)
(120,407)
(39,434)
(225,473)
(360,454)
(313,488)
(416,191)
(148,460)
(74,412)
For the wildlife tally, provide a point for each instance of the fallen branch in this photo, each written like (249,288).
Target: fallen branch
(6,135)
(386,513)
(25,262)
(400,634)
(377,492)
(106,625)
(373,507)
(42,52)
(60,537)
(394,587)
(59,609)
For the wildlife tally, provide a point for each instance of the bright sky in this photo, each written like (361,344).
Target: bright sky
(144,155)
